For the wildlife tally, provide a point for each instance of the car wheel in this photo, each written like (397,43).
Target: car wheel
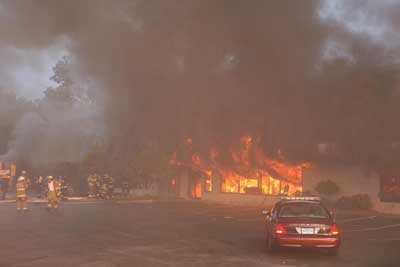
(271,244)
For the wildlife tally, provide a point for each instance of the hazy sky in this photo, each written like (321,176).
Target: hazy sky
(28,71)
(369,17)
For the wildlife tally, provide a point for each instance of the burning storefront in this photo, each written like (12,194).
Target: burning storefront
(244,175)
(242,170)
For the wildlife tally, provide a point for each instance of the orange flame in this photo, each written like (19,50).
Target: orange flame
(252,171)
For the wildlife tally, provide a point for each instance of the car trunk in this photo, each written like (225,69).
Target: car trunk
(310,227)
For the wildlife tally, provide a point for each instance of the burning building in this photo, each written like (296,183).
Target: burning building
(242,168)
(242,173)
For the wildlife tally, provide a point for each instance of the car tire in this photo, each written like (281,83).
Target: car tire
(271,244)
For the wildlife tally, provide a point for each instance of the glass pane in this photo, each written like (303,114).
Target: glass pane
(246,183)
(230,185)
(208,184)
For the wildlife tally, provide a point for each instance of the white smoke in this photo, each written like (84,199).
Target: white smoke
(369,18)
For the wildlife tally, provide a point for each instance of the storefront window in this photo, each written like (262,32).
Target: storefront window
(240,185)
(289,189)
(248,185)
(275,186)
(266,185)
(230,185)
(271,186)
(208,184)
(285,188)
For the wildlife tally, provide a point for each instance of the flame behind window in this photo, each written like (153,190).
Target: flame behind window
(248,170)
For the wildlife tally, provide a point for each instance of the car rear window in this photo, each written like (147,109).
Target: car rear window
(303,210)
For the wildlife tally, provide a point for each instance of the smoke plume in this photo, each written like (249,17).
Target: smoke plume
(295,73)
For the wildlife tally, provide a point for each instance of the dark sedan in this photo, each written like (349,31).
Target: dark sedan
(301,222)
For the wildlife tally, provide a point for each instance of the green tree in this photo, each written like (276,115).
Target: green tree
(96,159)
(327,188)
(63,92)
(150,161)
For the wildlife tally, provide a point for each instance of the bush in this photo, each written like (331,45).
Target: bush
(327,188)
(359,201)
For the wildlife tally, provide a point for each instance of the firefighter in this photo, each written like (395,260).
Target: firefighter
(59,182)
(125,188)
(98,185)
(111,186)
(21,192)
(103,189)
(53,193)
(109,182)
(92,185)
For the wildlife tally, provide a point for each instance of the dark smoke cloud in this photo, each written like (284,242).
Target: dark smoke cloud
(215,70)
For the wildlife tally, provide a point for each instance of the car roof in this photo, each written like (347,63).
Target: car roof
(282,202)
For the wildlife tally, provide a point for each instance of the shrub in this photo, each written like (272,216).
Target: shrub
(327,188)
(359,201)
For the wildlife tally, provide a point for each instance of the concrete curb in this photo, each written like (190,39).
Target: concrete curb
(35,200)
(138,201)
(95,200)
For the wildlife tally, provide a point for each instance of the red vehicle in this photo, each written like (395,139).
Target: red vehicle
(301,222)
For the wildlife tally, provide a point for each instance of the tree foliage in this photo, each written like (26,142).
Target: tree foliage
(327,188)
(150,161)
(63,91)
(146,163)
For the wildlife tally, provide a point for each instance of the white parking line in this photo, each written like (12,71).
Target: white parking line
(376,228)
(81,202)
(357,219)
(236,219)
(137,201)
(388,240)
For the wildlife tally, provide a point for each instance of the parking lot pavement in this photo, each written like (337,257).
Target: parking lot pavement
(177,234)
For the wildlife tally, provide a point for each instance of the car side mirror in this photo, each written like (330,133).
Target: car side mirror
(265,212)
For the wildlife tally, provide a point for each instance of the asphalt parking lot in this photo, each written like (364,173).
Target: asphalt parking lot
(179,233)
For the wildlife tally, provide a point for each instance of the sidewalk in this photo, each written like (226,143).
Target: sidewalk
(118,200)
(41,200)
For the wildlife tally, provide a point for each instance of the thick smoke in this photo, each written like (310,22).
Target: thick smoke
(54,134)
(295,73)
(57,128)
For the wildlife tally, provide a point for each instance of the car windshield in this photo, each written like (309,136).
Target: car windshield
(302,210)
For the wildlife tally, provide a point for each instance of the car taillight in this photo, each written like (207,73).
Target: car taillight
(280,229)
(334,229)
